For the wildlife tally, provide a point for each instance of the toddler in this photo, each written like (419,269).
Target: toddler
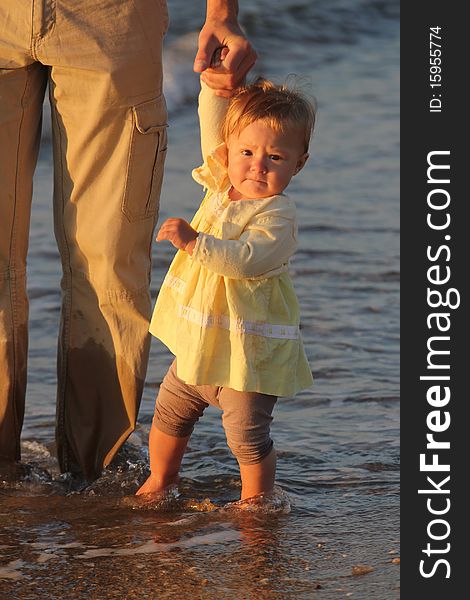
(227,308)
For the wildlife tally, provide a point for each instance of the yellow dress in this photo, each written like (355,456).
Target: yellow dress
(229,312)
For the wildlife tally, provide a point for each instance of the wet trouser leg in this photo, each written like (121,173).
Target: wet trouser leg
(109,138)
(21,96)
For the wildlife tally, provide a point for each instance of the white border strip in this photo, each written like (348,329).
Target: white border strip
(175,283)
(288,332)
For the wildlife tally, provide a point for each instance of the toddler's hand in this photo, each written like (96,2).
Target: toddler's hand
(179,232)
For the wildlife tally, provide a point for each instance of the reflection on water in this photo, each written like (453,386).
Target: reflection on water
(102,541)
(68,544)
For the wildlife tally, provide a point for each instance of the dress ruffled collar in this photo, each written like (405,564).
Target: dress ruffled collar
(212,175)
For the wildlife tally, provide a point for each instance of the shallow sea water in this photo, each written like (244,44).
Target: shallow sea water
(338,443)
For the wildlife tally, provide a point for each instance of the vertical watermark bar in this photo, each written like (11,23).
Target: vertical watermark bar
(434,300)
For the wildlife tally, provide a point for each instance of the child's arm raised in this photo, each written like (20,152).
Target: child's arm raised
(211,112)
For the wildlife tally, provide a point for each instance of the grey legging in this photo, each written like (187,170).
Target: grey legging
(246,415)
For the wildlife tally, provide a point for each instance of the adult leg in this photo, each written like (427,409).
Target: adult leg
(109,132)
(246,420)
(21,97)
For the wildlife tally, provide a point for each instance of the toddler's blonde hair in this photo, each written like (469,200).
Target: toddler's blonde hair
(279,106)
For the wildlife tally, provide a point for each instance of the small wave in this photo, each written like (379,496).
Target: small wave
(41,292)
(328,228)
(352,482)
(151,547)
(319,23)
(274,502)
(171,500)
(318,252)
(167,500)
(360,399)
(377,467)
(35,474)
(47,254)
(38,473)
(12,570)
(152,385)
(384,276)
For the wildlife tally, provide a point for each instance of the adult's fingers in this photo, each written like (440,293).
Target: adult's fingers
(221,79)
(245,65)
(207,47)
(239,53)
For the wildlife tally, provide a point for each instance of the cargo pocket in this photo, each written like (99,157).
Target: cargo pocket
(146,160)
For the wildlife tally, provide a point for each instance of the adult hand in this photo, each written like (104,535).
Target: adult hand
(237,56)
(179,232)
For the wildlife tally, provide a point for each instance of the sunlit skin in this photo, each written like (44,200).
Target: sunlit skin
(224,72)
(166,454)
(261,163)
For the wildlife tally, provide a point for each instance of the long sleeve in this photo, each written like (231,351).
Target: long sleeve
(263,249)
(211,112)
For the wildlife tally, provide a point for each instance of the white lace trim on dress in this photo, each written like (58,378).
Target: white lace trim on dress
(288,332)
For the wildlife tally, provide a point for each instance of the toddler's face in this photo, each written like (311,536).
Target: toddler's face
(262,161)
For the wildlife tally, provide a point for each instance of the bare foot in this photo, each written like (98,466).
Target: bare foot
(155,486)
(273,501)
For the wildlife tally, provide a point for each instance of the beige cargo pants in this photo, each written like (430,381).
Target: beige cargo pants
(103,64)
